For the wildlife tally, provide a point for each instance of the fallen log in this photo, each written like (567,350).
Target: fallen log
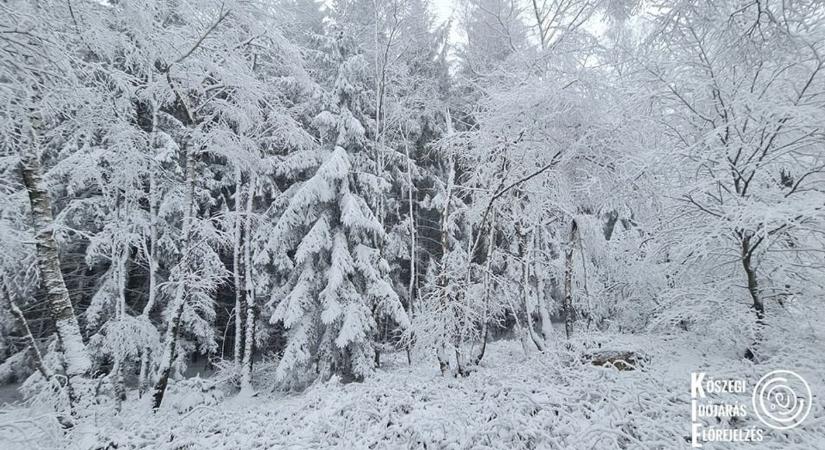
(621,360)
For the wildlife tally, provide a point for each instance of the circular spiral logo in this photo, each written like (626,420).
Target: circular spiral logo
(782,399)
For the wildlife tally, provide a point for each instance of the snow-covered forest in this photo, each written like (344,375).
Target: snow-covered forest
(374,224)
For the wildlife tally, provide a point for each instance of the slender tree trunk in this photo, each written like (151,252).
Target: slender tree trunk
(45,372)
(38,357)
(460,358)
(120,259)
(753,288)
(249,339)
(118,389)
(237,269)
(151,256)
(411,288)
(567,306)
(519,326)
(540,24)
(170,342)
(153,245)
(539,270)
(443,361)
(143,375)
(518,306)
(753,284)
(487,288)
(546,323)
(460,366)
(75,356)
(170,346)
(413,256)
(527,303)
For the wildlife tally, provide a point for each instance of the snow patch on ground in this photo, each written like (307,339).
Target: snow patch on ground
(551,400)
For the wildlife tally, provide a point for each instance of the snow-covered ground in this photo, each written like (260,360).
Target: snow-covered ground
(551,400)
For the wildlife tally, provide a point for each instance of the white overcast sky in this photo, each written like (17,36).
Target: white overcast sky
(443,9)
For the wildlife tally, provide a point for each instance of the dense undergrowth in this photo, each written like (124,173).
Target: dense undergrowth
(555,399)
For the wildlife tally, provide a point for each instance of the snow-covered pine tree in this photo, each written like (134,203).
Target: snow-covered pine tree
(339,282)
(404,49)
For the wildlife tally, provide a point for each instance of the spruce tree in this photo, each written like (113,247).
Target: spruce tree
(331,236)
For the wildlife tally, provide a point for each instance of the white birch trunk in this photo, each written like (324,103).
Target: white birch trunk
(249,339)
(119,257)
(151,257)
(529,303)
(153,244)
(237,268)
(75,356)
(539,270)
